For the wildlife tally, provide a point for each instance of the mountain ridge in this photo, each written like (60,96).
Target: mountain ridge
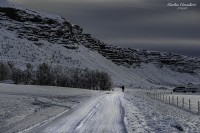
(31,37)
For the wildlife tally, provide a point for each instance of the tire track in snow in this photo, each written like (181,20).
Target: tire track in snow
(102,114)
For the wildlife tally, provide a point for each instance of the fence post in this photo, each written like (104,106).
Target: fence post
(173,100)
(198,108)
(183,103)
(160,96)
(169,99)
(177,101)
(189,105)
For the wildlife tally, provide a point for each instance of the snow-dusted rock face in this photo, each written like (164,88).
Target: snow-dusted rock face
(31,37)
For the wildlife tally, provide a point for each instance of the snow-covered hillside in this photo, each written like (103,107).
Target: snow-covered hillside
(32,37)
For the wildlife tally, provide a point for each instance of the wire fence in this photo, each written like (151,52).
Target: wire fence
(181,102)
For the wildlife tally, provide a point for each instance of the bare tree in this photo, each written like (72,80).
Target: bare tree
(44,75)
(28,73)
(5,71)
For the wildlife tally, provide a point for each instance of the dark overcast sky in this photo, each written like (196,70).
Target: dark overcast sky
(146,24)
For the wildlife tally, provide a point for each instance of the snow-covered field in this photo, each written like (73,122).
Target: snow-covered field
(56,109)
(156,116)
(194,98)
(23,106)
(188,101)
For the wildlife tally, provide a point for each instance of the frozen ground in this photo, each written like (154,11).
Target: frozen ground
(194,97)
(51,110)
(156,116)
(104,114)
(188,101)
(24,106)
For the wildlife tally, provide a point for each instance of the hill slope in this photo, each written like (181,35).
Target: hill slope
(32,37)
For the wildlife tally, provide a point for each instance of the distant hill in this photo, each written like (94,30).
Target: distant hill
(28,36)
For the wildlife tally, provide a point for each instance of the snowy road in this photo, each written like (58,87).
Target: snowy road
(103,114)
(40,109)
(117,112)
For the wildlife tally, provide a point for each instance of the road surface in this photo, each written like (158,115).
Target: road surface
(103,114)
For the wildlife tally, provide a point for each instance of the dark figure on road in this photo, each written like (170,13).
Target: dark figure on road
(122,88)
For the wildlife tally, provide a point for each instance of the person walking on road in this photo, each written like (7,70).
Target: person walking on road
(122,88)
